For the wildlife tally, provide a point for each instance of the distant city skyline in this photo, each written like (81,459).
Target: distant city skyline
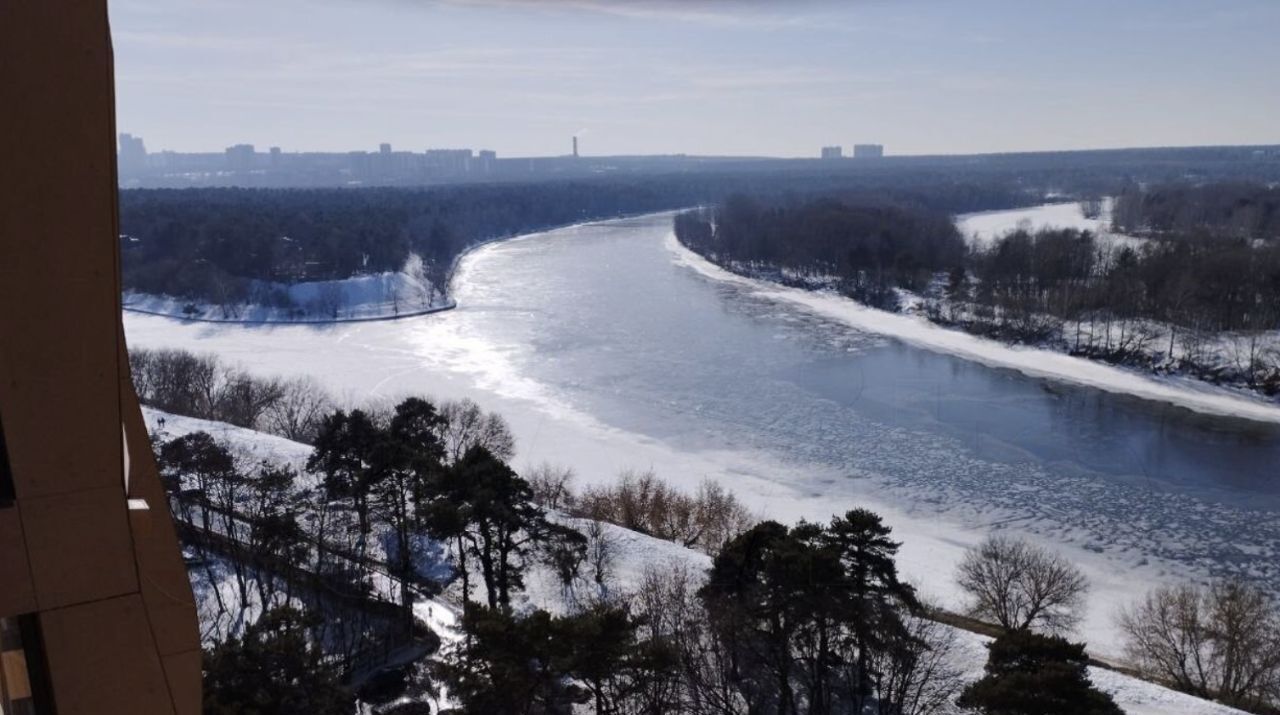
(710,78)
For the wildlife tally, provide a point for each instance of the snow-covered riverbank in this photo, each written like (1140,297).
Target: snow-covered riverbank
(377,296)
(916,330)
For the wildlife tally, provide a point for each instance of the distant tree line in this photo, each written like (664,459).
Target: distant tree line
(228,246)
(212,244)
(642,502)
(1235,209)
(1201,303)
(203,386)
(867,244)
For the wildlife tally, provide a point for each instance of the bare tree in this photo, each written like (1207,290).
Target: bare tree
(1019,585)
(721,516)
(551,485)
(467,426)
(921,672)
(1091,207)
(709,679)
(142,367)
(602,555)
(201,378)
(1220,642)
(642,502)
(243,399)
(178,381)
(297,413)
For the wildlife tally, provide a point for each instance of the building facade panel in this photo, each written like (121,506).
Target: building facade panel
(166,590)
(84,645)
(95,607)
(59,288)
(79,547)
(16,592)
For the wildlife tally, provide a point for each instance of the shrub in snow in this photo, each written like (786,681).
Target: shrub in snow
(1032,674)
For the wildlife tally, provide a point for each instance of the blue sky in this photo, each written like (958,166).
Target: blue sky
(713,77)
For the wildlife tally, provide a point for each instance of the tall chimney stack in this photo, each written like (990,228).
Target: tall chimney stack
(575,147)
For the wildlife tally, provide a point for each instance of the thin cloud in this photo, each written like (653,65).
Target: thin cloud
(722,14)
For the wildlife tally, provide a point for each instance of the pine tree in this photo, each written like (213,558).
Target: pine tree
(510,665)
(1032,674)
(272,670)
(343,455)
(406,463)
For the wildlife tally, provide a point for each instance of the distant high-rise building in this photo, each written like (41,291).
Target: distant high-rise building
(276,157)
(868,151)
(384,148)
(832,152)
(575,146)
(240,157)
(133,153)
(448,161)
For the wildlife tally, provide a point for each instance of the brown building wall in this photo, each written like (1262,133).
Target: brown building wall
(106,584)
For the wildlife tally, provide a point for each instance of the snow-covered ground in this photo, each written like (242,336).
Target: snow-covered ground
(982,228)
(253,446)
(375,296)
(634,554)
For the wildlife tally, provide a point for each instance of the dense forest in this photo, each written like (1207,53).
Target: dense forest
(211,244)
(1179,297)
(1201,295)
(229,246)
(235,245)
(869,245)
(1236,210)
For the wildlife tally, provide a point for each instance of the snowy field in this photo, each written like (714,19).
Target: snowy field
(981,228)
(635,554)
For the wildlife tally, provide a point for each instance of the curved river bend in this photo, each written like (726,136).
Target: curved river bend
(607,353)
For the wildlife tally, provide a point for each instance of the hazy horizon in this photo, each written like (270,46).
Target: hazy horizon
(705,78)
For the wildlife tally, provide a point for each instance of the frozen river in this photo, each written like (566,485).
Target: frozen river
(608,350)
